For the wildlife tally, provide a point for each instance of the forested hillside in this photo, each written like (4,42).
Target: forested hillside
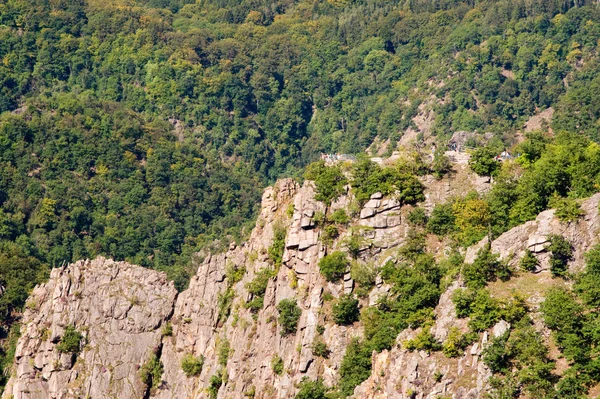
(146,130)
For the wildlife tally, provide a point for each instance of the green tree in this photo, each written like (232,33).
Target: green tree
(334,266)
(483,162)
(289,314)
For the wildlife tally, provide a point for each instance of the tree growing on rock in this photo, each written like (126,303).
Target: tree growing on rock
(289,314)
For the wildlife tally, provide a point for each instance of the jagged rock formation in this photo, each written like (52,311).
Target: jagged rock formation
(122,311)
(119,309)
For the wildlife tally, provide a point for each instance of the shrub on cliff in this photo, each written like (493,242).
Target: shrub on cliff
(70,341)
(289,314)
(192,365)
(345,310)
(333,266)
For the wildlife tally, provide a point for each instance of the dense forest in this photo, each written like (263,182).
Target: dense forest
(145,130)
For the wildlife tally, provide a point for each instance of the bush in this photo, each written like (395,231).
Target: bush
(495,355)
(214,384)
(329,181)
(277,364)
(289,314)
(368,178)
(562,252)
(485,311)
(192,365)
(151,372)
(441,164)
(333,266)
(339,216)
(566,209)
(355,367)
(423,341)
(257,287)
(363,274)
(483,162)
(319,348)
(277,248)
(442,220)
(224,351)
(484,268)
(529,262)
(70,342)
(345,310)
(463,300)
(329,233)
(311,389)
(456,342)
(167,330)
(224,302)
(417,217)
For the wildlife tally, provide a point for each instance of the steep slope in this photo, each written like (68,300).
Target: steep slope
(118,308)
(129,314)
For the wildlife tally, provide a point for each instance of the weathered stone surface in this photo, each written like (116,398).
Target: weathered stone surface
(124,308)
(119,308)
(500,328)
(367,213)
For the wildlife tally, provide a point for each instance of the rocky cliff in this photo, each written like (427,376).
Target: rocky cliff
(132,320)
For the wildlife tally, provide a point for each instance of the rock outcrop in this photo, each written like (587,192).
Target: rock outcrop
(129,315)
(118,308)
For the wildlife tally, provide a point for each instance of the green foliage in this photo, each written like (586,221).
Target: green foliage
(70,342)
(7,353)
(369,178)
(417,217)
(151,372)
(355,367)
(345,310)
(587,284)
(566,209)
(277,364)
(495,355)
(483,161)
(333,266)
(311,389)
(484,268)
(424,341)
(463,300)
(224,352)
(562,252)
(319,348)
(363,274)
(529,262)
(484,311)
(234,274)
(289,314)
(257,287)
(456,342)
(414,245)
(442,219)
(167,329)
(441,164)
(90,166)
(278,246)
(339,216)
(214,384)
(329,181)
(224,302)
(192,365)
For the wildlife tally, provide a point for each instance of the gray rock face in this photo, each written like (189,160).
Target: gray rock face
(119,309)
